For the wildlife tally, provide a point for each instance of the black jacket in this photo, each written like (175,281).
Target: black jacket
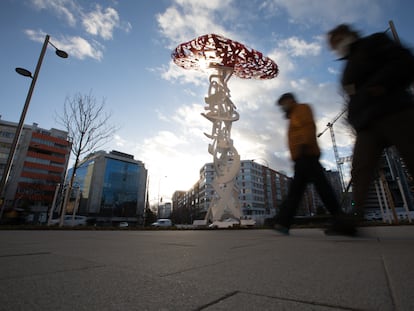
(380,72)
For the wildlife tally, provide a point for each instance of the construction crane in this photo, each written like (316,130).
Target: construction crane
(339,161)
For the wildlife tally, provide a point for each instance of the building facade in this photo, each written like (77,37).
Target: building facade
(164,210)
(312,199)
(38,167)
(112,186)
(262,189)
(392,187)
(261,192)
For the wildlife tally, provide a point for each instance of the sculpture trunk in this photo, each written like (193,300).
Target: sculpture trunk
(226,161)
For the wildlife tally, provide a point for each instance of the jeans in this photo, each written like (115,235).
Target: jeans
(307,170)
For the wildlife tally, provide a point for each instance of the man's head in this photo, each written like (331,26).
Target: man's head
(286,102)
(340,38)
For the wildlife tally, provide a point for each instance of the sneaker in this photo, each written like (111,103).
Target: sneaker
(281,229)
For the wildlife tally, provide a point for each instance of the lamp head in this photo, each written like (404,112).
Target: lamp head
(23,72)
(58,52)
(61,53)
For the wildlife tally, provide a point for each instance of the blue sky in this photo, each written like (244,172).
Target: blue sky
(121,52)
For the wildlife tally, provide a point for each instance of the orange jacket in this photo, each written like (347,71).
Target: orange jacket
(302,132)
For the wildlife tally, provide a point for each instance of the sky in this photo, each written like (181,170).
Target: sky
(120,53)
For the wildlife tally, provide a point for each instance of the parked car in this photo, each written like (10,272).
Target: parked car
(123,224)
(69,220)
(226,223)
(162,223)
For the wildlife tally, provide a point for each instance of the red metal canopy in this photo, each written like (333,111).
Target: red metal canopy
(212,51)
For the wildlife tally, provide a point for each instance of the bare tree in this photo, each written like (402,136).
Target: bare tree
(88,127)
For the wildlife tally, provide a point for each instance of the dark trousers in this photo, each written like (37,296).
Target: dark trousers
(393,130)
(307,170)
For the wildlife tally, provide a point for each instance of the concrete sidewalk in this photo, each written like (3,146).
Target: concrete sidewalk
(207,270)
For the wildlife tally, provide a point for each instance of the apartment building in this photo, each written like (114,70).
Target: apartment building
(39,165)
(261,191)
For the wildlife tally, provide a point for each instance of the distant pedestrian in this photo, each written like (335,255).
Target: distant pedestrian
(305,153)
(376,77)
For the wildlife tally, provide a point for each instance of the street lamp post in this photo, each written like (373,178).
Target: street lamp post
(159,187)
(16,138)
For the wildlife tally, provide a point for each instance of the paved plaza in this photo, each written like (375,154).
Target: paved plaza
(248,269)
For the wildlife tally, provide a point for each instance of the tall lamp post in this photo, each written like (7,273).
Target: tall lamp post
(16,138)
(159,188)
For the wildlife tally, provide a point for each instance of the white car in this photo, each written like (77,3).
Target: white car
(162,223)
(123,224)
(223,224)
(69,220)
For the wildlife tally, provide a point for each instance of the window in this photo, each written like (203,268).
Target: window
(120,191)
(6,134)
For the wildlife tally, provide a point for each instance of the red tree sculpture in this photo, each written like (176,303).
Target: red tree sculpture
(224,57)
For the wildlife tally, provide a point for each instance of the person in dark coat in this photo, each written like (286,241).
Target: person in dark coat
(377,76)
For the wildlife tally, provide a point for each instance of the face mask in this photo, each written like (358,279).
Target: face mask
(286,109)
(342,48)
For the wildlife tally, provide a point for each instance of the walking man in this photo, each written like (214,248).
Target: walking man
(305,153)
(376,77)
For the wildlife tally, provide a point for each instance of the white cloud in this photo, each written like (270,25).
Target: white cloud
(35,35)
(175,73)
(173,155)
(328,13)
(76,47)
(189,19)
(119,141)
(101,22)
(299,47)
(189,116)
(67,9)
(81,48)
(170,141)
(197,6)
(333,71)
(98,22)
